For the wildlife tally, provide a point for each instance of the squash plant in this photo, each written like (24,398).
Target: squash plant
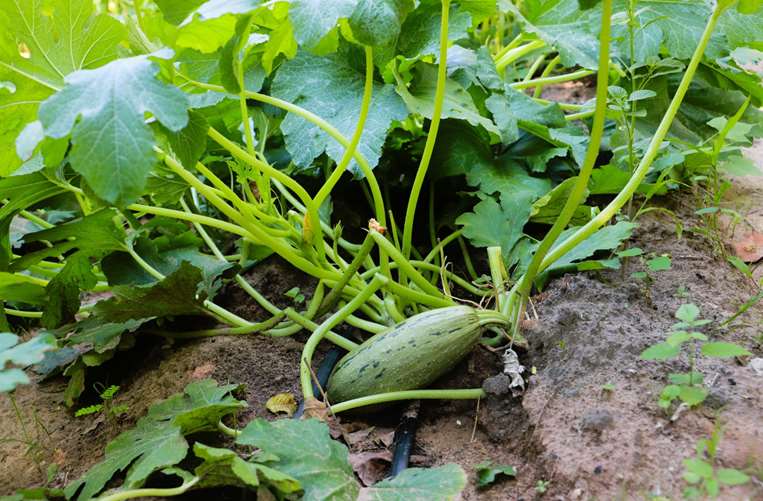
(155,150)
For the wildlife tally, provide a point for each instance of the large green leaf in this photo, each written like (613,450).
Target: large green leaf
(20,288)
(42,41)
(460,147)
(20,355)
(378,23)
(121,269)
(306,452)
(93,234)
(496,223)
(64,290)
(420,33)
(199,408)
(223,467)
(563,25)
(444,483)
(176,11)
(313,19)
(211,25)
(607,238)
(21,192)
(142,450)
(178,294)
(332,88)
(513,107)
(457,103)
(158,440)
(100,337)
(104,109)
(506,178)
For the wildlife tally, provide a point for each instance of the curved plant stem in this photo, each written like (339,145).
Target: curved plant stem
(426,156)
(227,430)
(314,235)
(366,325)
(651,153)
(349,152)
(22,314)
(259,234)
(579,189)
(332,131)
(441,245)
(534,67)
(227,331)
(148,493)
(546,72)
(567,77)
(416,297)
(515,53)
(305,375)
(336,291)
(308,324)
(405,265)
(396,396)
(193,218)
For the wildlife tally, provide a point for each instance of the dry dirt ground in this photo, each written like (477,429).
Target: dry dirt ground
(588,425)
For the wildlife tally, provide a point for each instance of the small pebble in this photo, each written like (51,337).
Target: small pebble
(756,364)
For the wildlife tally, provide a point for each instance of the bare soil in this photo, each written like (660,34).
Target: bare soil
(586,441)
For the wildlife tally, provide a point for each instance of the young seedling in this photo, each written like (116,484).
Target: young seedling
(295,295)
(489,472)
(106,407)
(688,387)
(702,474)
(541,486)
(653,265)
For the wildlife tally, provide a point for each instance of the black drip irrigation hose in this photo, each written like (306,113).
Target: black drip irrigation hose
(405,434)
(324,371)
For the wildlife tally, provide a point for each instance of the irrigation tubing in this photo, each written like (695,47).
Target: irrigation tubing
(405,434)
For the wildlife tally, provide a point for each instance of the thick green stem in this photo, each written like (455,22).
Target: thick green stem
(193,218)
(534,67)
(651,153)
(546,72)
(579,189)
(149,493)
(227,331)
(396,396)
(349,152)
(567,77)
(332,131)
(497,274)
(415,296)
(336,291)
(308,324)
(405,265)
(439,97)
(441,245)
(513,54)
(22,314)
(305,373)
(312,227)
